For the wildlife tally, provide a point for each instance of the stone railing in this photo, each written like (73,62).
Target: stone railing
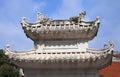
(61,27)
(86,54)
(106,49)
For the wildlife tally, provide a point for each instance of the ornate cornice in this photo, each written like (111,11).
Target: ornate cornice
(86,57)
(74,28)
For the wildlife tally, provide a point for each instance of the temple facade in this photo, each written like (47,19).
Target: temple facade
(61,48)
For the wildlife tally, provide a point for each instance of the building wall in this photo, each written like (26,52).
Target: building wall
(62,45)
(60,73)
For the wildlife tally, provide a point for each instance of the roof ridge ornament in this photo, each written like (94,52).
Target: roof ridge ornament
(79,18)
(23,21)
(111,44)
(42,19)
(7,49)
(39,17)
(98,19)
(82,16)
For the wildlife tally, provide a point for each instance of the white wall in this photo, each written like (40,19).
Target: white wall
(62,45)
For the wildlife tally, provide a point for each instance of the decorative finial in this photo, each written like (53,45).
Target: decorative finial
(105,46)
(7,46)
(98,19)
(111,43)
(39,17)
(23,21)
(82,14)
(7,49)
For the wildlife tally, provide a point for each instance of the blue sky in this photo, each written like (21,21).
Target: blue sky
(11,12)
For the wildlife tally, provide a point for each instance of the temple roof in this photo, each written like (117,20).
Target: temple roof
(74,28)
(112,70)
(90,58)
(117,55)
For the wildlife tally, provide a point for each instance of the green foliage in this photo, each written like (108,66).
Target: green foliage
(6,68)
(3,58)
